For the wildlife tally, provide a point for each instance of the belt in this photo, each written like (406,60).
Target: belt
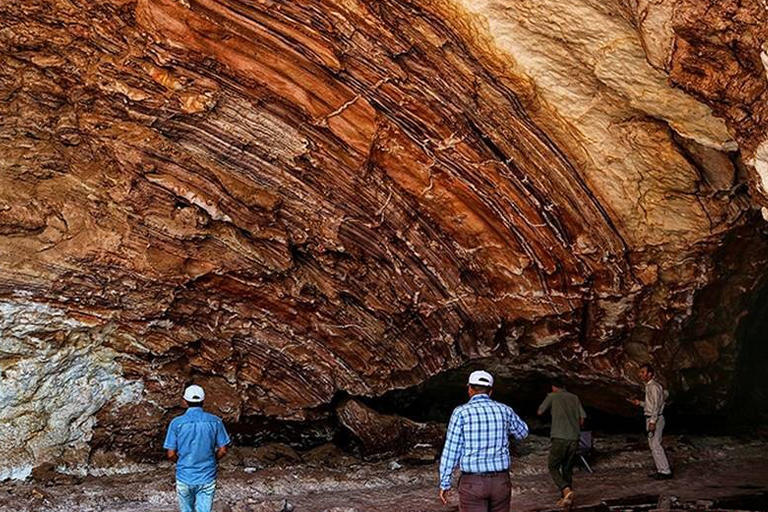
(486,473)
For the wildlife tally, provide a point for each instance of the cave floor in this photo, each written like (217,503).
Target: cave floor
(711,473)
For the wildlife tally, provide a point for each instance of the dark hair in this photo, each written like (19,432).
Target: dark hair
(557,383)
(194,404)
(648,368)
(480,389)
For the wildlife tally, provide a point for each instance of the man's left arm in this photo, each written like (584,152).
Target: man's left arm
(517,427)
(582,415)
(222,441)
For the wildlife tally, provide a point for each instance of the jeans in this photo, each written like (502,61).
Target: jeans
(195,498)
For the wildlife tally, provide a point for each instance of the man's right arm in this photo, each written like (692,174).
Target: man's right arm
(454,442)
(545,405)
(170,443)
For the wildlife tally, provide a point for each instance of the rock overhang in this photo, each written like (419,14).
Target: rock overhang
(288,202)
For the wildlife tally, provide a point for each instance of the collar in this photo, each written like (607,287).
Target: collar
(652,381)
(193,409)
(482,396)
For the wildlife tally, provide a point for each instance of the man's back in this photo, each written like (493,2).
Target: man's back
(195,436)
(478,436)
(478,440)
(567,414)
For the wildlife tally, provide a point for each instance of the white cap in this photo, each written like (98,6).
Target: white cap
(481,378)
(194,393)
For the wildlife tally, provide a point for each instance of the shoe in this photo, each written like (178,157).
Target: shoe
(662,476)
(567,498)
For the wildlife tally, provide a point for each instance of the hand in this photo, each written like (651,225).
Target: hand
(651,427)
(634,401)
(444,493)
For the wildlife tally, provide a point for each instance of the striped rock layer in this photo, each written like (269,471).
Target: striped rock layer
(289,202)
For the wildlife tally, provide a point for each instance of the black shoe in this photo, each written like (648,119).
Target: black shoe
(662,476)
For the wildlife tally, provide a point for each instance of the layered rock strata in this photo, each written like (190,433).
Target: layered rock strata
(284,201)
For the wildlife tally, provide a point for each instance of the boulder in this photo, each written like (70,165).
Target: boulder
(382,434)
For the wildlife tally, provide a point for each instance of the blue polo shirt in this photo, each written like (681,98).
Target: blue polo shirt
(195,435)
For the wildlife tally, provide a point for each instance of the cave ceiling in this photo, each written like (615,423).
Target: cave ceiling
(286,201)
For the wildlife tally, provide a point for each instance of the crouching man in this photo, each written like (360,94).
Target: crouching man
(196,440)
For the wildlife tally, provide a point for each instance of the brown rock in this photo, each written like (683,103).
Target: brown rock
(327,455)
(273,454)
(388,434)
(423,453)
(345,198)
(48,475)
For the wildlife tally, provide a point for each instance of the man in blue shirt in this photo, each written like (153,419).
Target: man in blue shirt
(478,440)
(196,440)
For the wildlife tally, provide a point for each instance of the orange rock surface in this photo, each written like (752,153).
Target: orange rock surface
(284,201)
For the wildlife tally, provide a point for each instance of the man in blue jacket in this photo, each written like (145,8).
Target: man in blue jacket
(196,440)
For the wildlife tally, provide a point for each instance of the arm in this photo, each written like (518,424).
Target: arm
(170,444)
(454,442)
(545,405)
(222,441)
(582,415)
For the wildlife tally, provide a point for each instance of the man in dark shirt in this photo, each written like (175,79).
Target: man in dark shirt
(196,440)
(567,419)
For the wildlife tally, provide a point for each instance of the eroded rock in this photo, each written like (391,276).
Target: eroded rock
(287,205)
(328,455)
(389,434)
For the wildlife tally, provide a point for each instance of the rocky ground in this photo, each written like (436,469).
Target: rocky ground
(712,473)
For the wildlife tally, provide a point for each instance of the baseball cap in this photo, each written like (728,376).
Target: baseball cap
(194,393)
(481,378)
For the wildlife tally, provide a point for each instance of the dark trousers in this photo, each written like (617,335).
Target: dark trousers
(562,454)
(485,493)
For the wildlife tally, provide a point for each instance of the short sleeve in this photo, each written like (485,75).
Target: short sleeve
(170,438)
(222,438)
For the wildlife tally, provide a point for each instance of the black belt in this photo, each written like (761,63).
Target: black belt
(486,473)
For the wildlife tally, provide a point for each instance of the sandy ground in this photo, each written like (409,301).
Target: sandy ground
(711,473)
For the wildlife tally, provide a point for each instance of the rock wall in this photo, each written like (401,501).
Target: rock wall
(289,201)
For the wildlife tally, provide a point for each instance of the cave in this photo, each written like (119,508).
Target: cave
(750,391)
(327,212)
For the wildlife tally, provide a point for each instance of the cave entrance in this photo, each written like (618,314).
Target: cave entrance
(435,399)
(749,396)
